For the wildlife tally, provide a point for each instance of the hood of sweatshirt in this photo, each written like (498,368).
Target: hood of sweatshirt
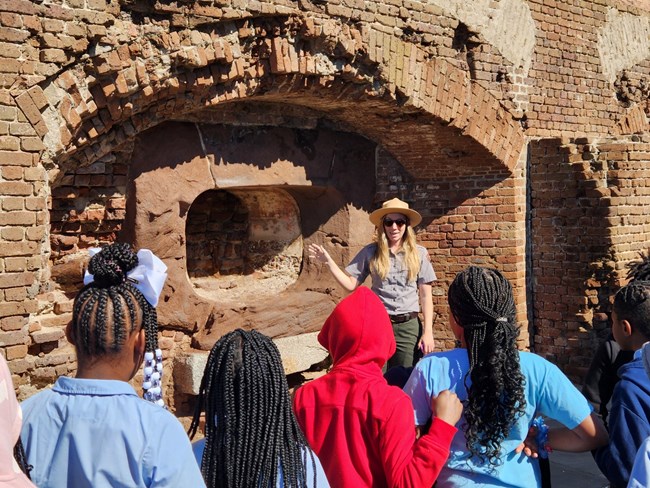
(358,331)
(635,373)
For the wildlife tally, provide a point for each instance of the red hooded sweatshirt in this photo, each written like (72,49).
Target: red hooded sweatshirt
(362,429)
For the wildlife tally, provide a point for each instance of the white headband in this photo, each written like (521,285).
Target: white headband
(148,276)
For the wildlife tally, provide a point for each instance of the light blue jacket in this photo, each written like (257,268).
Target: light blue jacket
(99,433)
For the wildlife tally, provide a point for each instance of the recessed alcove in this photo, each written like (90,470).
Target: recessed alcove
(243,243)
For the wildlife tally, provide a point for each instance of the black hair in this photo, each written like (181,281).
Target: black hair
(639,269)
(482,303)
(250,426)
(21,458)
(110,308)
(632,303)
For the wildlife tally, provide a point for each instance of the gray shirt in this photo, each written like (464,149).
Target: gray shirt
(396,292)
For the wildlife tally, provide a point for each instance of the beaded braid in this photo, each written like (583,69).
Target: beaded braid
(482,302)
(108,309)
(21,458)
(250,426)
(632,303)
(640,269)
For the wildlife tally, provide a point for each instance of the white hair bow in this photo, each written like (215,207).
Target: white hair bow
(148,276)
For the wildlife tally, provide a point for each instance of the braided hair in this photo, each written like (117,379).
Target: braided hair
(21,458)
(482,303)
(109,308)
(639,269)
(632,303)
(250,427)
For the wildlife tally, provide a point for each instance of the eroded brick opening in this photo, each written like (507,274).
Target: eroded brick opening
(243,243)
(217,235)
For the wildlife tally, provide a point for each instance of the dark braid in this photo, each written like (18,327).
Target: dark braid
(639,270)
(250,426)
(21,458)
(632,303)
(110,308)
(482,303)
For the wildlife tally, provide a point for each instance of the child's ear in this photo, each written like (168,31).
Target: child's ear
(69,334)
(626,328)
(140,345)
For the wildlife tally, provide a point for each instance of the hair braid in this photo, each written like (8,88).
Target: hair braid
(21,458)
(108,309)
(482,302)
(99,332)
(250,427)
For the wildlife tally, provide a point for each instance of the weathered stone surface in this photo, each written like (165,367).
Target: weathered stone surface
(166,178)
(298,353)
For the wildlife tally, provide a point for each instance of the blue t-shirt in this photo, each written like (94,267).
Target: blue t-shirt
(548,392)
(99,433)
(321,479)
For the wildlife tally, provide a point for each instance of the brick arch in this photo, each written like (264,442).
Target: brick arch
(95,106)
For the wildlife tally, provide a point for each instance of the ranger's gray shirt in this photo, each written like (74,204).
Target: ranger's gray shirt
(396,292)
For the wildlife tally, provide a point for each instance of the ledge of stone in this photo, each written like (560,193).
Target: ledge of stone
(298,353)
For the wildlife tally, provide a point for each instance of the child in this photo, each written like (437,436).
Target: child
(254,439)
(361,428)
(14,472)
(503,390)
(602,376)
(640,475)
(94,430)
(629,418)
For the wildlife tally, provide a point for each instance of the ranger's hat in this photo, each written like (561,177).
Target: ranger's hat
(395,206)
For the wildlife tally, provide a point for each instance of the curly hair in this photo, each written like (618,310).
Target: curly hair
(250,426)
(482,303)
(639,269)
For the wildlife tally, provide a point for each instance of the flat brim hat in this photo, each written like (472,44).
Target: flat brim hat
(395,206)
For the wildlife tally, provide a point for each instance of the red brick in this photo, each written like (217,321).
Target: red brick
(13,337)
(16,352)
(47,334)
(12,323)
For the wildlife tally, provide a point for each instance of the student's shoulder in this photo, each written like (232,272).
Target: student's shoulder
(35,401)
(540,369)
(451,354)
(152,413)
(437,361)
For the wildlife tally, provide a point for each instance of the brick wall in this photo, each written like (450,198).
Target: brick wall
(450,99)
(588,199)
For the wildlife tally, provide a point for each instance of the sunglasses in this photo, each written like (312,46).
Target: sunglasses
(390,222)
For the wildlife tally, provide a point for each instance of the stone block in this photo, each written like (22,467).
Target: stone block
(47,334)
(298,353)
(188,371)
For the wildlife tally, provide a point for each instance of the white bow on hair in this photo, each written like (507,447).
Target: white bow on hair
(148,276)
